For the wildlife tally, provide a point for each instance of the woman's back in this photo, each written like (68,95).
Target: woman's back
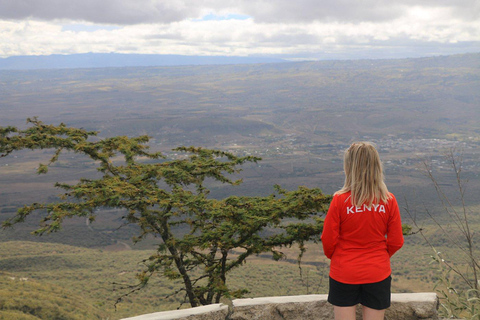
(362,252)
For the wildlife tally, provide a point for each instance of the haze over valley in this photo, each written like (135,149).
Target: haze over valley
(298,117)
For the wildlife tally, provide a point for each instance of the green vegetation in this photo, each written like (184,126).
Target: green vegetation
(87,275)
(27,299)
(169,200)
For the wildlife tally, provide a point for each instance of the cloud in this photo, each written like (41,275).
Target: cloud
(236,37)
(127,12)
(122,12)
(302,28)
(330,10)
(352,10)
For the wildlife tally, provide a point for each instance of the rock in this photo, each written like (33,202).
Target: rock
(413,306)
(307,307)
(210,312)
(405,306)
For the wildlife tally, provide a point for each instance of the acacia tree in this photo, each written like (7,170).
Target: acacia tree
(201,238)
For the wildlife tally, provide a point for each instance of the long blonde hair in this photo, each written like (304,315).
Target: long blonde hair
(364,175)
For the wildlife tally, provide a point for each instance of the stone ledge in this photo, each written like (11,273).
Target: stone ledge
(200,313)
(405,306)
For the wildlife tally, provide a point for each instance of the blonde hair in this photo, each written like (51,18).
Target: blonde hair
(364,175)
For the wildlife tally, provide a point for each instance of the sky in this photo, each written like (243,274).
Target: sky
(291,29)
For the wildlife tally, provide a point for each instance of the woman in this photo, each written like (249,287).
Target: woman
(361,232)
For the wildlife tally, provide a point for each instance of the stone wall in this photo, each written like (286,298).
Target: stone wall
(405,306)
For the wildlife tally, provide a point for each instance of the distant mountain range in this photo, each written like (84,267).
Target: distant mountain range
(103,60)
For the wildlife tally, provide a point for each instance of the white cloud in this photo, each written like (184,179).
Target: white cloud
(228,27)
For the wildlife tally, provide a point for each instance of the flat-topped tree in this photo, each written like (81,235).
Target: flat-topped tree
(162,196)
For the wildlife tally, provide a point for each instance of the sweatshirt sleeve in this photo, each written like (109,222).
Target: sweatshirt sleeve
(331,229)
(394,229)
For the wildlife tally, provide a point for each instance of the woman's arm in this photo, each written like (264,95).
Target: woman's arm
(331,228)
(394,229)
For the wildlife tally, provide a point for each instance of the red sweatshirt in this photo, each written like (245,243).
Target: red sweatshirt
(360,240)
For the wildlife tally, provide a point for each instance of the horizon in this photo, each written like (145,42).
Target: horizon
(234,56)
(122,60)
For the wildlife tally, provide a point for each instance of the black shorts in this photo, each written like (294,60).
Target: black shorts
(372,295)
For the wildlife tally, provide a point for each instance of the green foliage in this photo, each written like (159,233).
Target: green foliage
(169,200)
(406,229)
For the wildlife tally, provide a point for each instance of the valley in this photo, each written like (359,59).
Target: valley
(298,117)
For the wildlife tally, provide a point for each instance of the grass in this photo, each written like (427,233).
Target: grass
(24,298)
(90,273)
(76,274)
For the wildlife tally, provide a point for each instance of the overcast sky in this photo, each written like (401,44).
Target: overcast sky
(295,29)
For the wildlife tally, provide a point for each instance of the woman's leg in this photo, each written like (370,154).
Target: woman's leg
(344,313)
(372,314)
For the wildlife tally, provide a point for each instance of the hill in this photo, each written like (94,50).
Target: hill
(23,298)
(45,280)
(105,60)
